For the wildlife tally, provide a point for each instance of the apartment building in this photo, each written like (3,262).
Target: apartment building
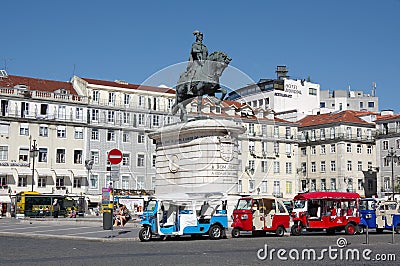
(337,151)
(388,153)
(42,137)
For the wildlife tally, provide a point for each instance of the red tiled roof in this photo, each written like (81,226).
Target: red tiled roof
(387,117)
(346,116)
(129,86)
(36,84)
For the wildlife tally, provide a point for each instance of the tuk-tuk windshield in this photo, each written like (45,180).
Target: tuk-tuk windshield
(243,204)
(150,205)
(299,204)
(367,205)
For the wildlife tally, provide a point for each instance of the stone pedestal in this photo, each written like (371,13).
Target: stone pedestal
(197,156)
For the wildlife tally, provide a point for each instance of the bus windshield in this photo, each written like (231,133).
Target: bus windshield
(243,204)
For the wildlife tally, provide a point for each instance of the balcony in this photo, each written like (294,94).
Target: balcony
(335,138)
(384,133)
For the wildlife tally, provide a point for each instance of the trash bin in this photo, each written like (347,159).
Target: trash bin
(107,220)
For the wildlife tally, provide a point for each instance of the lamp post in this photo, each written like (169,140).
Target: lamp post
(33,153)
(89,166)
(392,156)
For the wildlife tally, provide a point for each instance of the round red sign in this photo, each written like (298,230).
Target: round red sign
(115,156)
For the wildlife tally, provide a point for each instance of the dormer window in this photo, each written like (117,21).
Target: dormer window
(217,109)
(21,86)
(63,91)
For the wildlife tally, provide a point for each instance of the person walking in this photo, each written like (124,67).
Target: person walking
(56,208)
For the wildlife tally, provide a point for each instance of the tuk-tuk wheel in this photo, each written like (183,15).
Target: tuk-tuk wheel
(351,229)
(215,232)
(235,233)
(296,230)
(280,231)
(361,229)
(145,234)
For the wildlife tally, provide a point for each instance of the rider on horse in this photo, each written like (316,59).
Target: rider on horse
(198,55)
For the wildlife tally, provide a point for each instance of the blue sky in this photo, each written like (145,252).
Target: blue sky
(337,43)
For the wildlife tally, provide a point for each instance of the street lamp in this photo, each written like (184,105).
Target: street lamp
(33,153)
(392,155)
(89,166)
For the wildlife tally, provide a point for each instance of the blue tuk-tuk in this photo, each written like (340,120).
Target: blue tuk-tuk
(178,216)
(379,215)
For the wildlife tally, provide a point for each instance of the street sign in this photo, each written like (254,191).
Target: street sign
(115,172)
(115,156)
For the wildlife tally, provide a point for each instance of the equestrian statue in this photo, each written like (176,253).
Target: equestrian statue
(201,77)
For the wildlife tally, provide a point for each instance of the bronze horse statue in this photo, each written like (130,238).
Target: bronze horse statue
(200,79)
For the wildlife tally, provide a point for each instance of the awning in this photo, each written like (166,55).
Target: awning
(62,172)
(44,171)
(24,171)
(5,199)
(6,171)
(79,173)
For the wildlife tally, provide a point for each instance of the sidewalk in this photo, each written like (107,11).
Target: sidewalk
(82,228)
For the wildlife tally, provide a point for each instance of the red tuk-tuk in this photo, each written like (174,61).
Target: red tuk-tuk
(260,214)
(332,211)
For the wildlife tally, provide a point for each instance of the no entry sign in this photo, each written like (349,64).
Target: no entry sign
(115,156)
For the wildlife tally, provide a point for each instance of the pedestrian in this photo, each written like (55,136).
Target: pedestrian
(56,208)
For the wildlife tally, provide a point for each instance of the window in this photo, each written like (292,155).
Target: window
(60,182)
(303,167)
(333,184)
(385,145)
(369,149)
(359,133)
(277,189)
(217,109)
(24,129)
(288,149)
(140,138)
(42,155)
(397,143)
(313,167)
(77,182)
(350,184)
(313,185)
(264,167)
(312,91)
(62,112)
(251,185)
(95,157)
(140,184)
(239,187)
(264,187)
(43,109)
(126,99)
(156,120)
(77,156)
(110,135)
(313,150)
(303,151)
(95,115)
(288,167)
(359,166)
(360,184)
(23,154)
(22,181)
(94,181)
(276,148)
(141,101)
(140,160)
(322,132)
(348,147)
(323,167)
(60,156)
(95,134)
(155,104)
(111,98)
(323,149)
(333,148)
(126,136)
(95,96)
(126,159)
(125,182)
(361,105)
(3,153)
(43,131)
(276,131)
(251,146)
(332,132)
(79,113)
(371,104)
(126,117)
(333,166)
(313,134)
(42,182)
(287,132)
(78,133)
(153,162)
(322,104)
(348,132)
(141,119)
(323,184)
(359,148)
(61,132)
(170,103)
(111,116)
(276,167)
(289,187)
(349,166)
(251,128)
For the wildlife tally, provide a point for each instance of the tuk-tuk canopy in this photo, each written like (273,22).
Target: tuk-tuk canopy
(327,195)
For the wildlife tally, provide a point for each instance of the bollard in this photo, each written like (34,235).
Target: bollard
(366,235)
(392,228)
